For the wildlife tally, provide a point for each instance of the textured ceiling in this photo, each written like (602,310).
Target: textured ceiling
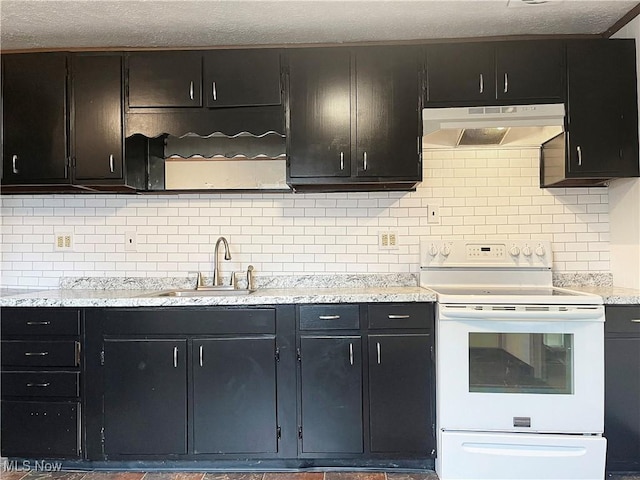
(27,24)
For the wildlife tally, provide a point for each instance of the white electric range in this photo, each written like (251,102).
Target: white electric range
(519,364)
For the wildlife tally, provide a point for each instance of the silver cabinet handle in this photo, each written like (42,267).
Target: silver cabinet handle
(341,160)
(175,357)
(200,354)
(579,150)
(506,82)
(365,160)
(636,320)
(111,167)
(481,83)
(214,92)
(77,352)
(329,317)
(378,350)
(14,161)
(35,354)
(351,353)
(43,385)
(39,323)
(191,90)
(398,317)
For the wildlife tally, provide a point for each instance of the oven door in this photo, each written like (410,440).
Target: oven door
(520,368)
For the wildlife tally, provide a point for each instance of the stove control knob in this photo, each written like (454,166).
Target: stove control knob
(540,251)
(526,251)
(514,251)
(445,250)
(433,250)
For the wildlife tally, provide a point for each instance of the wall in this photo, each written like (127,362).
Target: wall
(481,194)
(625,206)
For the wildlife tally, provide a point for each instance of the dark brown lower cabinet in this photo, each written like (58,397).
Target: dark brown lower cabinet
(331,388)
(40,429)
(145,396)
(622,387)
(400,393)
(234,395)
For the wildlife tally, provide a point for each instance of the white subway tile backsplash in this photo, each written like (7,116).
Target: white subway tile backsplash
(482,194)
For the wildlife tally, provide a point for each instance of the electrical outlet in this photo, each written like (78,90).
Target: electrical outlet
(433,214)
(388,240)
(130,242)
(63,241)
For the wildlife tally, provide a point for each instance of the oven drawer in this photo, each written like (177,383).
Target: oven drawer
(22,353)
(622,319)
(39,321)
(40,384)
(40,429)
(400,315)
(329,317)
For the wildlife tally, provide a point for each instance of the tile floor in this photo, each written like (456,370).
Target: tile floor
(239,476)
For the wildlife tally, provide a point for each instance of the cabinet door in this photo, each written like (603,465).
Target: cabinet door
(234,78)
(97,123)
(319,113)
(602,122)
(388,113)
(400,394)
(34,118)
(165,79)
(461,74)
(530,71)
(145,396)
(331,382)
(622,387)
(234,395)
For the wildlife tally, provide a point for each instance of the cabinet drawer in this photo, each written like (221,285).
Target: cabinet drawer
(40,321)
(40,429)
(400,315)
(329,317)
(622,319)
(22,353)
(41,384)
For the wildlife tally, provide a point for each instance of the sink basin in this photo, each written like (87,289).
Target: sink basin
(205,292)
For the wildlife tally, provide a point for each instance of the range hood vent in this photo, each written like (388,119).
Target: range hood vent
(514,125)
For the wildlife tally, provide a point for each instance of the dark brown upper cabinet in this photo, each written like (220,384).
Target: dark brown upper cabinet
(353,120)
(236,78)
(601,139)
(165,79)
(34,118)
(97,117)
(473,74)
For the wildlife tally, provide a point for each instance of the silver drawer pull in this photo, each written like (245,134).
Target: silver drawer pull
(398,317)
(341,160)
(636,320)
(201,347)
(111,165)
(175,357)
(329,317)
(378,350)
(481,84)
(214,92)
(506,83)
(38,384)
(35,354)
(39,323)
(191,90)
(351,353)
(14,164)
(579,150)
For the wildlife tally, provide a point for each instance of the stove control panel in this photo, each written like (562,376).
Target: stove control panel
(487,253)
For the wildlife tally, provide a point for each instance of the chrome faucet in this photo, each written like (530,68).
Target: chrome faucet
(216,265)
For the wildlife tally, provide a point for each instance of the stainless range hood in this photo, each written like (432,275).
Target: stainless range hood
(513,125)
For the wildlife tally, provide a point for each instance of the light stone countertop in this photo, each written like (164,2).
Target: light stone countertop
(267,296)
(612,295)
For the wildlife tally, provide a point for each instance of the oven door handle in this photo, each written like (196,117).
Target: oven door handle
(584,314)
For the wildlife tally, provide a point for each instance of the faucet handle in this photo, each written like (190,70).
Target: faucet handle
(199,281)
(250,270)
(234,280)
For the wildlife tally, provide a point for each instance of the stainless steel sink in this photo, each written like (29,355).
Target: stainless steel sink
(204,292)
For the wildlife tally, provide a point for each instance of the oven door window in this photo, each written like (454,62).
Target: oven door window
(540,363)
